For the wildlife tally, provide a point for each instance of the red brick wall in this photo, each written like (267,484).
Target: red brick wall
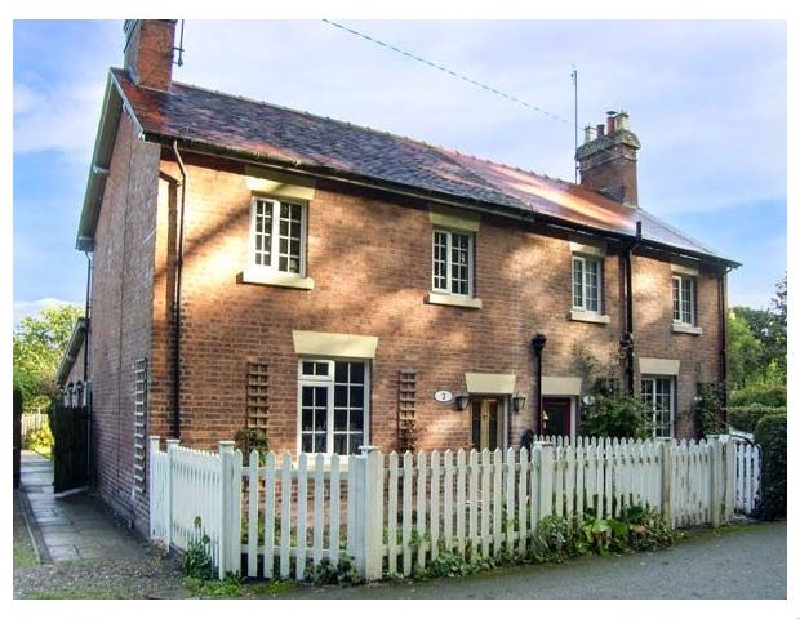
(371,261)
(149,53)
(698,354)
(121,312)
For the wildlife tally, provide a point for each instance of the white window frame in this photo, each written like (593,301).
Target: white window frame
(273,268)
(680,319)
(651,410)
(448,289)
(328,381)
(584,260)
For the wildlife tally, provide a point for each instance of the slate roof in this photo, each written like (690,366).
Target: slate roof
(258,129)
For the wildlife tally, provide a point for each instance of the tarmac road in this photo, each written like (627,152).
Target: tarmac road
(746,563)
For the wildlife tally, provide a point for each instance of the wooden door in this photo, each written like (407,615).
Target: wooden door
(557,412)
(487,424)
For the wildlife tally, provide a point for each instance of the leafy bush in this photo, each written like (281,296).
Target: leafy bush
(197,562)
(746,418)
(38,438)
(707,413)
(771,396)
(770,434)
(248,439)
(615,416)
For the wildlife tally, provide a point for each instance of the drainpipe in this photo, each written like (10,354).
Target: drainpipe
(538,343)
(628,335)
(176,320)
(723,359)
(86,311)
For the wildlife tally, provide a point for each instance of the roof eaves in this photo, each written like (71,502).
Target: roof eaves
(73,348)
(113,102)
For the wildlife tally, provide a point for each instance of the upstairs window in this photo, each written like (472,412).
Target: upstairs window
(684,299)
(277,236)
(586,284)
(452,262)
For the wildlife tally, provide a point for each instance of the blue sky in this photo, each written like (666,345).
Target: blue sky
(708,100)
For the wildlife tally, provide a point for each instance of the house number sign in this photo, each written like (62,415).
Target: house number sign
(443,396)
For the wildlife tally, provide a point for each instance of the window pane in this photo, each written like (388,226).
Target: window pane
(320,420)
(676,299)
(340,444)
(440,260)
(340,395)
(320,443)
(592,281)
(357,373)
(284,246)
(357,397)
(356,420)
(340,373)
(306,443)
(356,441)
(307,421)
(686,301)
(308,396)
(577,282)
(284,210)
(339,420)
(321,368)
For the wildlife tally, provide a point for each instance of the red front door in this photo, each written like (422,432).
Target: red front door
(556,415)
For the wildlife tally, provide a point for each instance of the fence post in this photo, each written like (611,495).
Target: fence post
(153,447)
(714,472)
(666,478)
(729,466)
(368,485)
(172,444)
(225,511)
(544,495)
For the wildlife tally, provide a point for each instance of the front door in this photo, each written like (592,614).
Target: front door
(556,415)
(487,423)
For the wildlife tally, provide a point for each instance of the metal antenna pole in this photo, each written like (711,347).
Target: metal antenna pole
(180,49)
(575,84)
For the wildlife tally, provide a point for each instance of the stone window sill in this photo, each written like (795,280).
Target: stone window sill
(438,298)
(589,317)
(679,327)
(282,280)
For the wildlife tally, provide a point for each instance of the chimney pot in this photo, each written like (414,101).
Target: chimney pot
(610,125)
(601,131)
(588,134)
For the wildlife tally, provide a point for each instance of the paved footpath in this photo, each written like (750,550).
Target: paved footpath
(70,527)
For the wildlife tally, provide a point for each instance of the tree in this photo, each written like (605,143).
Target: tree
(39,345)
(745,351)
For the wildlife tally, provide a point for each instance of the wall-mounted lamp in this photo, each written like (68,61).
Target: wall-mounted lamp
(588,400)
(519,402)
(698,398)
(461,401)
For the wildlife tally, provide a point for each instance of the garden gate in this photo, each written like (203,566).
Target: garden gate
(70,427)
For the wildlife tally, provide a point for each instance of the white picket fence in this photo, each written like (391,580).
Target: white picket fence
(390,512)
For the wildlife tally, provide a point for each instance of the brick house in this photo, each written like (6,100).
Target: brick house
(255,266)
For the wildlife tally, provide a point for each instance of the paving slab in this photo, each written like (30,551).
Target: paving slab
(70,527)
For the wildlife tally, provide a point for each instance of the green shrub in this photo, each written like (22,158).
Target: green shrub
(248,439)
(38,438)
(615,416)
(707,413)
(770,396)
(747,417)
(770,434)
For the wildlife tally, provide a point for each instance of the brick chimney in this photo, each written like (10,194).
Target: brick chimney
(607,159)
(149,49)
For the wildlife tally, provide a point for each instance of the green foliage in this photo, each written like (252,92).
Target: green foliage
(746,418)
(707,413)
(38,439)
(197,562)
(248,439)
(770,434)
(756,345)
(39,345)
(615,416)
(229,587)
(767,395)
(325,573)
